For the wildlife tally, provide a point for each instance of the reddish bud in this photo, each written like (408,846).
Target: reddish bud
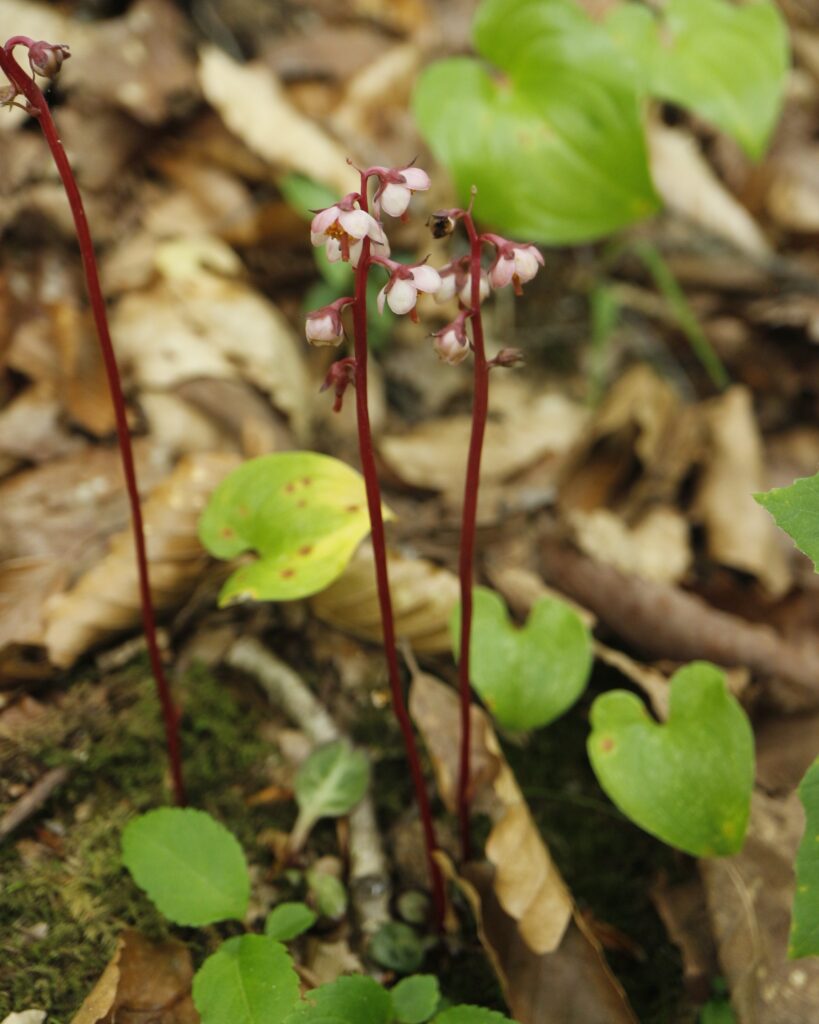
(46,59)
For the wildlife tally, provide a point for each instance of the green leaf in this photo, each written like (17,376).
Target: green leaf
(305,196)
(352,1000)
(717,1011)
(397,946)
(796,511)
(804,937)
(249,980)
(689,781)
(471,1015)
(415,999)
(726,61)
(189,865)
(329,784)
(329,894)
(289,920)
(304,514)
(556,145)
(527,677)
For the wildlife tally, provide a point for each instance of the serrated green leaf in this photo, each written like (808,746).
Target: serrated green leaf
(687,781)
(289,920)
(190,866)
(804,937)
(329,784)
(351,1000)
(796,511)
(556,147)
(397,946)
(302,513)
(471,1015)
(249,980)
(727,62)
(415,999)
(526,677)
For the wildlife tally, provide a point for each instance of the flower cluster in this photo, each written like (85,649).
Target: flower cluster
(344,227)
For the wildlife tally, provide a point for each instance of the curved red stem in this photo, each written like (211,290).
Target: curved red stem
(21,81)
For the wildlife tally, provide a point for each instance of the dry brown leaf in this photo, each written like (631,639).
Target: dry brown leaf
(25,586)
(106,599)
(195,323)
(144,981)
(423,595)
(688,186)
(277,132)
(526,881)
(749,900)
(792,199)
(739,532)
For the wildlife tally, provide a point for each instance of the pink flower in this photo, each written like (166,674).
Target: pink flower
(324,326)
(515,264)
(397,187)
(334,252)
(451,342)
(46,59)
(465,293)
(341,226)
(401,291)
(457,280)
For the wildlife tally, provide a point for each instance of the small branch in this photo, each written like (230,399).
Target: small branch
(33,800)
(370,887)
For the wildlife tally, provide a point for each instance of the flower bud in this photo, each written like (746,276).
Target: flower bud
(451,343)
(323,326)
(46,59)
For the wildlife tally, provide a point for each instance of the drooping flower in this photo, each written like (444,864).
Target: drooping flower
(396,188)
(46,59)
(401,291)
(341,226)
(456,279)
(451,342)
(324,326)
(514,264)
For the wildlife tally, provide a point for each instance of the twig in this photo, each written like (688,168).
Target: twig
(33,800)
(370,888)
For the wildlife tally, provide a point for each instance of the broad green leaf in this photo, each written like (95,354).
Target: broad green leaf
(305,196)
(397,946)
(189,865)
(526,677)
(688,781)
(249,980)
(796,511)
(471,1015)
(351,1000)
(415,999)
(330,783)
(804,937)
(289,920)
(555,145)
(727,62)
(329,894)
(717,1011)
(302,513)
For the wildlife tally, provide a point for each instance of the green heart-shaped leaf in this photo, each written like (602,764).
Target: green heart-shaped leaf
(302,513)
(526,677)
(804,938)
(556,146)
(688,781)
(796,511)
(248,980)
(191,867)
(726,61)
(330,783)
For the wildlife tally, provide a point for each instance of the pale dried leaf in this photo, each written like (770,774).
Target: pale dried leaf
(26,1017)
(106,599)
(277,132)
(688,186)
(423,594)
(793,193)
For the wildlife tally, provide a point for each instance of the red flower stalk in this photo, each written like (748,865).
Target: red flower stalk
(45,59)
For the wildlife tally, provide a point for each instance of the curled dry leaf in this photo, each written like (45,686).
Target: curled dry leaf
(424,596)
(688,186)
(105,599)
(277,132)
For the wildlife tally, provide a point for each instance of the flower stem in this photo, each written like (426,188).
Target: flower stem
(367,454)
(466,564)
(40,109)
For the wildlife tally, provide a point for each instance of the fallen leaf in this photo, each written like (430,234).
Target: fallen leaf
(684,913)
(105,600)
(423,595)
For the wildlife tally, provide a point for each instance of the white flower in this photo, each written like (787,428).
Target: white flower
(465,292)
(323,326)
(341,226)
(401,291)
(394,196)
(515,265)
(334,254)
(451,343)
